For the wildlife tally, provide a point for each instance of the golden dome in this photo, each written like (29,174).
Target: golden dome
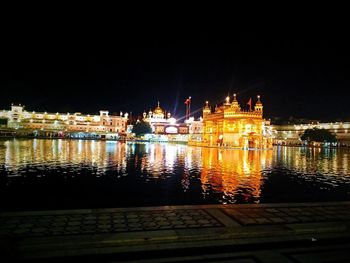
(158,110)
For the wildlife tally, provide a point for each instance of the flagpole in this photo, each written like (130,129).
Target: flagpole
(187,108)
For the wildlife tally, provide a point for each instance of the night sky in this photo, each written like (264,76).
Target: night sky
(298,72)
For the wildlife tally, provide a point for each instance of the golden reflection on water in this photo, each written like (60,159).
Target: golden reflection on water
(230,171)
(218,171)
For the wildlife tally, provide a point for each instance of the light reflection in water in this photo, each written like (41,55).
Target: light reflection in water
(207,175)
(233,172)
(21,154)
(312,160)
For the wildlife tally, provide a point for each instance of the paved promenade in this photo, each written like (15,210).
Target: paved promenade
(306,232)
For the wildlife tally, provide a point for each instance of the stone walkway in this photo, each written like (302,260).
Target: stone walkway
(232,233)
(99,222)
(290,214)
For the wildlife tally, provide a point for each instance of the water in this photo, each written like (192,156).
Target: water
(65,174)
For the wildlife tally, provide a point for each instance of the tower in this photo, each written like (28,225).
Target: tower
(206,109)
(258,106)
(227,102)
(16,113)
(234,105)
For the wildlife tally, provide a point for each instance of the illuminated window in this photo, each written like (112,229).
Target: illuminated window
(171,129)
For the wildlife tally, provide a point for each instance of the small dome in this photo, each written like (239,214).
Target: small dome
(158,110)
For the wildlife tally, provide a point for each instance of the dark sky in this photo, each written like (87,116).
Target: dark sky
(301,72)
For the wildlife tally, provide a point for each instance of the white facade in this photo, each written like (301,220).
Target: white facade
(164,123)
(195,126)
(158,117)
(19,118)
(290,134)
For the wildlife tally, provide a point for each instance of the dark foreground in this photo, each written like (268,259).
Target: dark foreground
(304,232)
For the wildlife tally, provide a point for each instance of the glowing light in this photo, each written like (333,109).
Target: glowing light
(171,129)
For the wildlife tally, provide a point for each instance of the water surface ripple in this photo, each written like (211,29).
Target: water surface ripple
(60,174)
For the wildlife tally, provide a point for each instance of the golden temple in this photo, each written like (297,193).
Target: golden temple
(231,126)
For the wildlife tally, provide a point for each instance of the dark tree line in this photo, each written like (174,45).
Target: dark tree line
(141,128)
(318,135)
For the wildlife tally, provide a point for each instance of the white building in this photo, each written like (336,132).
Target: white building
(19,118)
(159,120)
(166,128)
(195,126)
(290,134)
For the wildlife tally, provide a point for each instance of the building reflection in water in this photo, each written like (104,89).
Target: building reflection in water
(230,173)
(221,175)
(329,166)
(53,154)
(312,160)
(236,174)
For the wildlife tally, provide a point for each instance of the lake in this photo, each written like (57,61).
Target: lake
(41,174)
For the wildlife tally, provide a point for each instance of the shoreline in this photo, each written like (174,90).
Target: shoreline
(170,142)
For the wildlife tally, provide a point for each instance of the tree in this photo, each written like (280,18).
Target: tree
(141,128)
(318,135)
(3,121)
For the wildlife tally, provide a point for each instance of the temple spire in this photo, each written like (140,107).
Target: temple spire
(235,104)
(206,109)
(258,105)
(258,102)
(227,101)
(234,97)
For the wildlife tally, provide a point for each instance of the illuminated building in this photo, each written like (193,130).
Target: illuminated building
(231,126)
(163,123)
(290,134)
(19,118)
(166,128)
(195,130)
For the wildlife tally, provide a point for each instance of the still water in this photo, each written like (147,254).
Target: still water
(64,174)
